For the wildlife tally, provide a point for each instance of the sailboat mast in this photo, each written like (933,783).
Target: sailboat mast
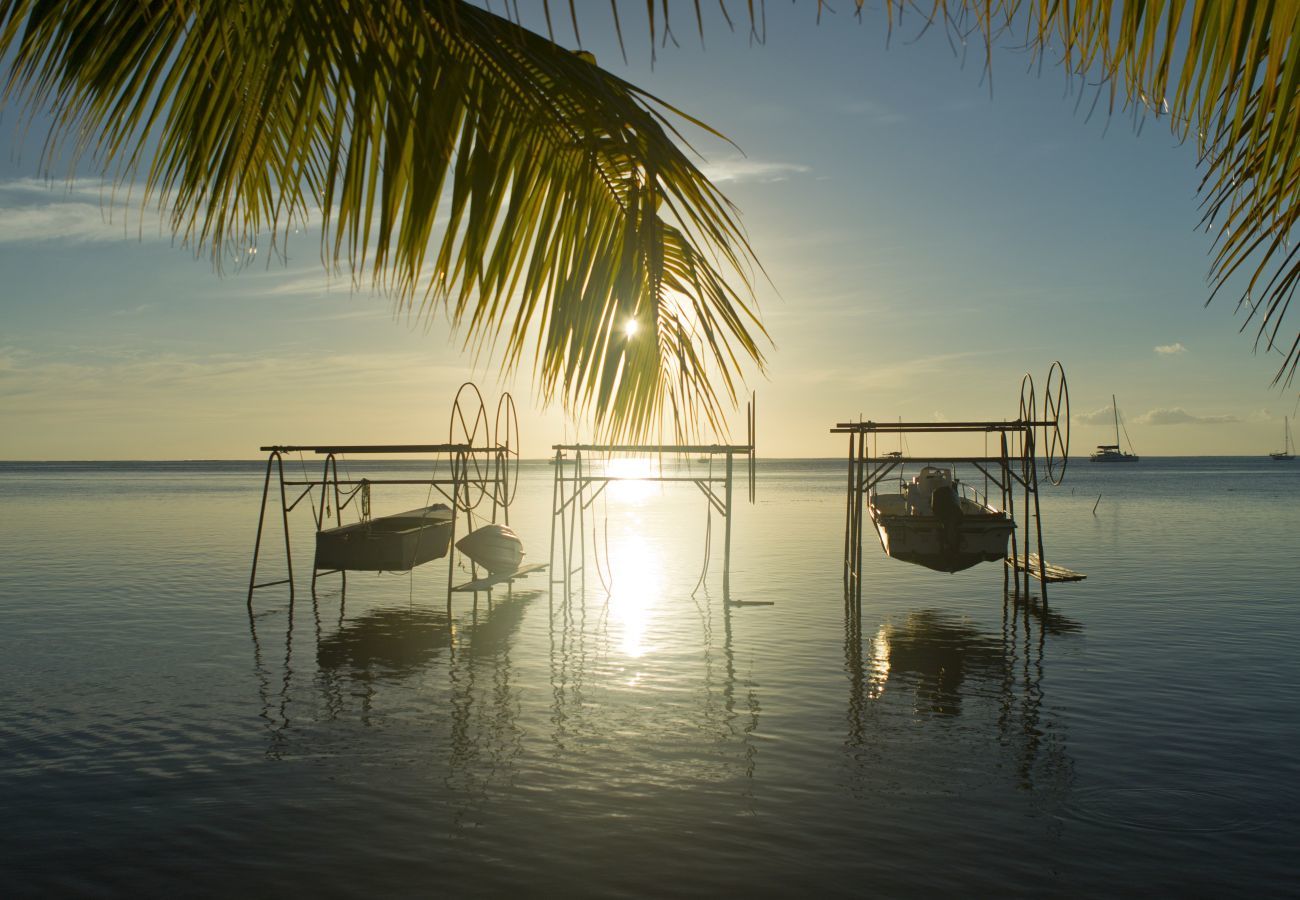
(1115,409)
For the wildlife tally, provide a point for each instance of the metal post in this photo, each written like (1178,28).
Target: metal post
(848,515)
(726,541)
(1038,528)
(257,542)
(550,575)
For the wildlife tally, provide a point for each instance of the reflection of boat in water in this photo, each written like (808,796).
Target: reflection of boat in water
(394,543)
(938,522)
(1287,445)
(396,639)
(1112,452)
(494,547)
(401,640)
(935,653)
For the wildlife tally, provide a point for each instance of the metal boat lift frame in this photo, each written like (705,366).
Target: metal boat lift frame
(1016,463)
(577,486)
(474,466)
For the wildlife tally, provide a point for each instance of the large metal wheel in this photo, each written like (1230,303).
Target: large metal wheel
(1028,414)
(1056,435)
(507,450)
(468,432)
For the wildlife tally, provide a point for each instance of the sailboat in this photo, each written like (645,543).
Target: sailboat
(1111,452)
(1288,445)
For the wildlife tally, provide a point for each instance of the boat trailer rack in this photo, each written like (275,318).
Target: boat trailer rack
(481,464)
(578,482)
(1016,463)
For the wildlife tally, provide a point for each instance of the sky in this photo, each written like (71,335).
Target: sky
(928,238)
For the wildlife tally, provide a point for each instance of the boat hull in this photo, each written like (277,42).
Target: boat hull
(924,540)
(494,547)
(395,543)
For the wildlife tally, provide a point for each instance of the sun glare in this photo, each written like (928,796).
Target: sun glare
(630,327)
(635,570)
(634,472)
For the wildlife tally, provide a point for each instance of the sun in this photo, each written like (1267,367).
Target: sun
(630,327)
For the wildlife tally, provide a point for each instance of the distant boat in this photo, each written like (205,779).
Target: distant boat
(1112,452)
(1288,445)
(939,523)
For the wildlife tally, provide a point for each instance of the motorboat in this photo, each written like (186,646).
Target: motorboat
(1288,446)
(938,522)
(494,547)
(1112,452)
(396,543)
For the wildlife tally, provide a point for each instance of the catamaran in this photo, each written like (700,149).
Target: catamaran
(1288,445)
(1112,452)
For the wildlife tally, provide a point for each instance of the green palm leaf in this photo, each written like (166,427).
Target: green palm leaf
(471,165)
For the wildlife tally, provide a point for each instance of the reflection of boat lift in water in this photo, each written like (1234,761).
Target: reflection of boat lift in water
(938,522)
(578,482)
(479,464)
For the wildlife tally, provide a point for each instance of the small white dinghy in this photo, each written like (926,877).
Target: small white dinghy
(937,522)
(494,547)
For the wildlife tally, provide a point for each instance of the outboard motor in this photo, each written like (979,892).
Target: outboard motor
(946,506)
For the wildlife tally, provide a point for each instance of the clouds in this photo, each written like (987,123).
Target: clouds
(738,168)
(1171,349)
(83,210)
(1175,415)
(1103,416)
(1179,416)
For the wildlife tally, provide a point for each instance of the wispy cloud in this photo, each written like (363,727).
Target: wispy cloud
(885,375)
(1171,349)
(738,168)
(1179,416)
(81,210)
(134,310)
(873,111)
(1097,417)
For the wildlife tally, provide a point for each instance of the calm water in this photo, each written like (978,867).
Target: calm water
(1141,737)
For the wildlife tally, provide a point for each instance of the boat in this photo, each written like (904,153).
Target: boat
(494,547)
(396,543)
(1111,452)
(938,522)
(1288,445)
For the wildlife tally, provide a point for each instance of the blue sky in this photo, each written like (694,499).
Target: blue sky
(928,241)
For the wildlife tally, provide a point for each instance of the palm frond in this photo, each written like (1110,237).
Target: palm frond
(1224,74)
(469,164)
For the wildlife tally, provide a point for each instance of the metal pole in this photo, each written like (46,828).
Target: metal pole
(726,541)
(550,577)
(848,515)
(284,511)
(1038,528)
(1011,511)
(257,543)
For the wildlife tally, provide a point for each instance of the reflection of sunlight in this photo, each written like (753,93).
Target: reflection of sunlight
(636,571)
(878,663)
(632,468)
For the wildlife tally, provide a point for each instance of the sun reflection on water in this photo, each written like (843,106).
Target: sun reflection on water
(636,570)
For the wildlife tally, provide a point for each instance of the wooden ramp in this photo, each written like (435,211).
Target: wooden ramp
(488,582)
(1054,573)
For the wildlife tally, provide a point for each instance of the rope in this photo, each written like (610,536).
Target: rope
(305,477)
(708,534)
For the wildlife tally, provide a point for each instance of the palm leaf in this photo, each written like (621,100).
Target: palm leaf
(468,164)
(1224,74)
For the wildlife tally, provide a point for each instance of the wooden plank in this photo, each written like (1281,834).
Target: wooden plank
(488,582)
(1054,573)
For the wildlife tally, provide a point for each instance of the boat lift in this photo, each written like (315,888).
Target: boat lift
(578,481)
(483,461)
(1015,464)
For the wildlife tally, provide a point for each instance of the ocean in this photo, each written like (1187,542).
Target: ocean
(640,738)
